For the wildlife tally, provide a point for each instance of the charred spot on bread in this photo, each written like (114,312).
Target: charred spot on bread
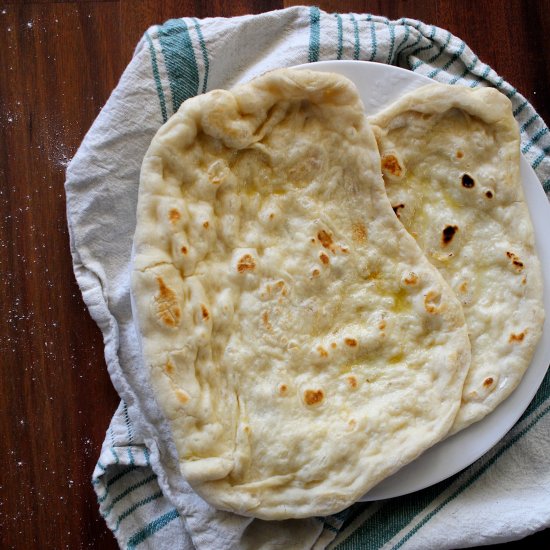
(396,209)
(467,181)
(448,234)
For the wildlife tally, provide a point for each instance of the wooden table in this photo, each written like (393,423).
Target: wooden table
(59,61)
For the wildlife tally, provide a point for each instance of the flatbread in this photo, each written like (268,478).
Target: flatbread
(450,158)
(299,343)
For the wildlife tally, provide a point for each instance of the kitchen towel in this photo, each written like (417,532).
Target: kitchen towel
(503,496)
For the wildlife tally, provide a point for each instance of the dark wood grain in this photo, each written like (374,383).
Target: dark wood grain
(59,61)
(56,399)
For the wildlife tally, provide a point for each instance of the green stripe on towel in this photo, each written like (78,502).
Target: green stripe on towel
(542,132)
(357,40)
(180,61)
(404,40)
(340,36)
(129,490)
(430,38)
(204,51)
(152,528)
(135,506)
(409,46)
(374,45)
(392,42)
(442,49)
(130,432)
(520,108)
(454,57)
(120,475)
(538,160)
(466,70)
(483,76)
(431,44)
(117,460)
(314,33)
(528,123)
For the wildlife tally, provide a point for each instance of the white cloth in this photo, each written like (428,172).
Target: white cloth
(503,496)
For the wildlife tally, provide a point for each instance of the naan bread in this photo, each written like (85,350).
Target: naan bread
(298,341)
(450,158)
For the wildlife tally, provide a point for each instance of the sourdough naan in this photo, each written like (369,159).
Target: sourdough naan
(450,158)
(298,341)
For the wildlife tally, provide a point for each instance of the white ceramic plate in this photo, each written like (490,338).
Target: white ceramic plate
(379,85)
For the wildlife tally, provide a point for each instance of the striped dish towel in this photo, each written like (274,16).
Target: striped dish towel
(503,496)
